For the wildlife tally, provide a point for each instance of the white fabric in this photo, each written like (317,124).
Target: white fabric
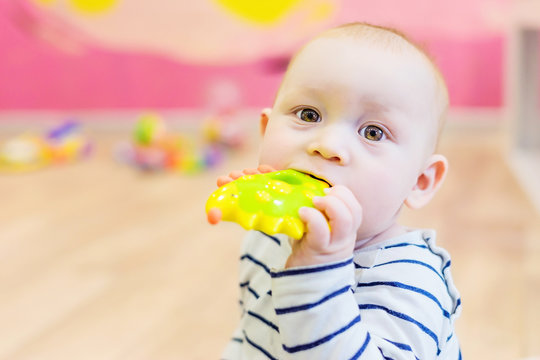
(394,300)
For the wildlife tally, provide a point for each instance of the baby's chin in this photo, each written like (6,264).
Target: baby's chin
(367,237)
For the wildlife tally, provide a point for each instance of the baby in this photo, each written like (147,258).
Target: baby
(360,107)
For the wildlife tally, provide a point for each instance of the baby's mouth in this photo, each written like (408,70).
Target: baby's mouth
(320,179)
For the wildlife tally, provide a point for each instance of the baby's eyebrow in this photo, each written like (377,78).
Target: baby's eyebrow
(304,91)
(296,98)
(372,105)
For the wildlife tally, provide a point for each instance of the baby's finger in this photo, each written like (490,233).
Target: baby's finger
(236,174)
(339,215)
(265,168)
(348,198)
(233,175)
(224,179)
(318,231)
(251,171)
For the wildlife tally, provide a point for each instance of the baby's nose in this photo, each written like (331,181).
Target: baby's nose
(328,156)
(331,148)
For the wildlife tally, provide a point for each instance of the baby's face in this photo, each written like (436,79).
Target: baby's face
(358,115)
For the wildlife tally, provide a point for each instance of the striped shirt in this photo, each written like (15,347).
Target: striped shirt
(392,300)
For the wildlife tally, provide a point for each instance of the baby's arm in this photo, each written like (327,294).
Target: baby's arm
(323,312)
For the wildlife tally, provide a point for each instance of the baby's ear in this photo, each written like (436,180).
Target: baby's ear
(428,182)
(265,115)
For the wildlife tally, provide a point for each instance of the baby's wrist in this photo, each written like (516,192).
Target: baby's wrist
(300,260)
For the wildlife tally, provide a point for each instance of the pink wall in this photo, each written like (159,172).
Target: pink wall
(37,75)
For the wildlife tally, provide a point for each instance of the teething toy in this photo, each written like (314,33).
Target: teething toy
(267,202)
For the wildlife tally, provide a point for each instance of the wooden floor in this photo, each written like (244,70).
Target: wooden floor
(98,261)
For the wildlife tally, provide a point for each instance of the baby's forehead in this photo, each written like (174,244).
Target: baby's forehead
(389,52)
(393,43)
(331,61)
(376,38)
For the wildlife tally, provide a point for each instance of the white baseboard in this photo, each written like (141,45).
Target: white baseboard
(15,121)
(526,168)
(475,118)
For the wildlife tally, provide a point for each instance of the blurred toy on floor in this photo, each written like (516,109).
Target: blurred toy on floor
(154,148)
(60,145)
(219,130)
(223,100)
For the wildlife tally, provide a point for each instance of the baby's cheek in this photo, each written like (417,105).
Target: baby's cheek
(380,199)
(268,158)
(275,154)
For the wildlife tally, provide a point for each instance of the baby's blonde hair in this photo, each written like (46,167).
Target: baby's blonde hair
(394,41)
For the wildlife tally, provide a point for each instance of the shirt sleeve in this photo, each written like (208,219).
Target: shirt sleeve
(320,317)
(234,347)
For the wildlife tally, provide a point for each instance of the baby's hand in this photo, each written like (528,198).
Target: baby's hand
(233,175)
(214,215)
(323,244)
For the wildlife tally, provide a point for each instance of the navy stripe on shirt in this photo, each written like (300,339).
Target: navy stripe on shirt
(266,321)
(362,348)
(410,288)
(255,261)
(402,347)
(448,263)
(281,311)
(250,289)
(301,271)
(409,261)
(399,345)
(258,347)
(358,266)
(405,244)
(303,347)
(273,238)
(405,317)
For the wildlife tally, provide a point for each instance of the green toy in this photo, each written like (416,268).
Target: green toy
(267,202)
(148,129)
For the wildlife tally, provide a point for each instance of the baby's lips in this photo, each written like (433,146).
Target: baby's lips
(214,216)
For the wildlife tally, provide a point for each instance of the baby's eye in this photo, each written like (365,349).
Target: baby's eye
(372,133)
(308,115)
